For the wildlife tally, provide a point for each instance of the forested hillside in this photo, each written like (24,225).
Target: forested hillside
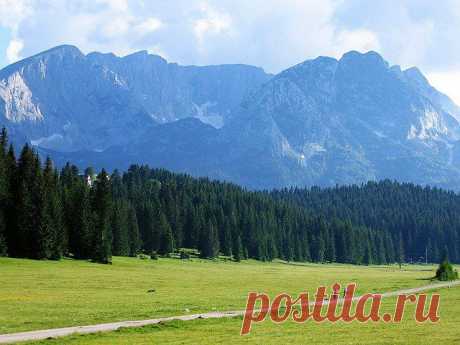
(46,214)
(427,220)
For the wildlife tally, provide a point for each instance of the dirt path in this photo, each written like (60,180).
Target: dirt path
(106,327)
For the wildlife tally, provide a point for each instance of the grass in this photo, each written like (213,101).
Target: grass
(226,331)
(44,294)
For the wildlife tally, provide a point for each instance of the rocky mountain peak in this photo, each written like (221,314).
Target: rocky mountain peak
(323,121)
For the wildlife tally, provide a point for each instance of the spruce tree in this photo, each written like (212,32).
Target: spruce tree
(120,244)
(52,212)
(237,249)
(166,237)
(31,235)
(209,243)
(133,232)
(400,250)
(367,259)
(84,226)
(10,214)
(102,239)
(4,194)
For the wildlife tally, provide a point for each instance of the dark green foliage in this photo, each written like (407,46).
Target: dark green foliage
(237,249)
(400,250)
(120,230)
(414,223)
(52,211)
(101,250)
(209,242)
(446,271)
(133,232)
(4,192)
(46,215)
(166,245)
(32,232)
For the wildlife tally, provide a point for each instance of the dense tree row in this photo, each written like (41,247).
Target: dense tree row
(218,217)
(423,222)
(46,214)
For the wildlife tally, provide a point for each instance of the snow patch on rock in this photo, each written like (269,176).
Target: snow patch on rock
(47,141)
(206,116)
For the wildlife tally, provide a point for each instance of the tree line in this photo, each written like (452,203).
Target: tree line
(48,214)
(424,222)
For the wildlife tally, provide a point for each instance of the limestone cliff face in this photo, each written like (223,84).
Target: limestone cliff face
(64,100)
(322,122)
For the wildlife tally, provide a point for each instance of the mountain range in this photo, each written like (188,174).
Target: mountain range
(322,122)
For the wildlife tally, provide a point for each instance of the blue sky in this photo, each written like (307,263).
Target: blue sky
(273,34)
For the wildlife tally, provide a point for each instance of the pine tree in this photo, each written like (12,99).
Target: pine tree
(102,241)
(4,183)
(237,249)
(319,248)
(52,212)
(227,238)
(367,259)
(400,250)
(166,236)
(209,243)
(82,225)
(120,244)
(133,232)
(31,235)
(10,215)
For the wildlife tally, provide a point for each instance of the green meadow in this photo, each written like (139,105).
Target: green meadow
(45,294)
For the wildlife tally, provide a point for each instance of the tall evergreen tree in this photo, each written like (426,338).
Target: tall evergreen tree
(133,232)
(237,249)
(4,194)
(102,239)
(120,244)
(367,259)
(166,237)
(52,212)
(209,243)
(31,235)
(400,250)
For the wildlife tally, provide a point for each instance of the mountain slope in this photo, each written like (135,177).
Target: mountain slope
(64,100)
(347,121)
(322,122)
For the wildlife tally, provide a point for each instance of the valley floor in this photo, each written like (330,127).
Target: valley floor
(41,295)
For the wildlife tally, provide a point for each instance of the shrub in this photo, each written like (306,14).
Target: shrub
(446,272)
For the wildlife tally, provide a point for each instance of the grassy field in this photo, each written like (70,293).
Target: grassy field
(39,294)
(226,331)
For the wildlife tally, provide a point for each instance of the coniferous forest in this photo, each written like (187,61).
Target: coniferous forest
(422,221)
(48,214)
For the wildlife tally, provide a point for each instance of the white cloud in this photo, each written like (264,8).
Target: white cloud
(447,82)
(149,25)
(361,40)
(116,27)
(115,5)
(213,22)
(274,34)
(13,12)
(13,50)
